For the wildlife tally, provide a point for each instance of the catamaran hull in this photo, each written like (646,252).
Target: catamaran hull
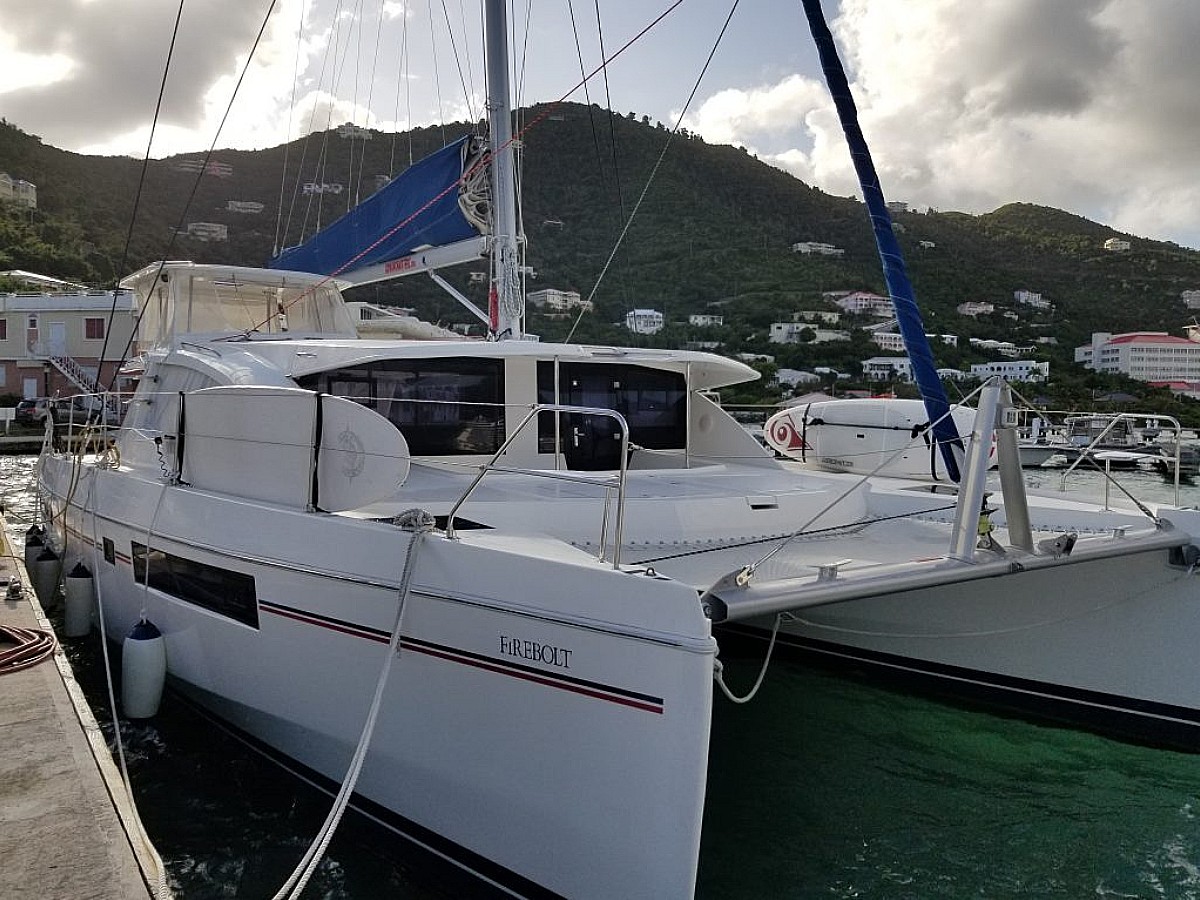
(523,733)
(1108,643)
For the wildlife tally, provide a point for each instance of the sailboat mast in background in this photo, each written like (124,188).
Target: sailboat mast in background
(506,306)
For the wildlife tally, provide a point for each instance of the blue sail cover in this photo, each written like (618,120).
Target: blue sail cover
(912,329)
(368,234)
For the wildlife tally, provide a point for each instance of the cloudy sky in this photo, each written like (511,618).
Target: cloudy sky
(1087,105)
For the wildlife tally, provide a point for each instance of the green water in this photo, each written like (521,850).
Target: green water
(825,786)
(834,787)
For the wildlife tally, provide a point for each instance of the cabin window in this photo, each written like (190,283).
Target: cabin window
(443,406)
(93,329)
(653,402)
(218,590)
(3,329)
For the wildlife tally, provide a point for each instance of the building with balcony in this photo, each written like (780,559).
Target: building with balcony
(864,303)
(887,368)
(1116,245)
(644,321)
(556,301)
(1013,370)
(705,320)
(1142,355)
(891,340)
(52,342)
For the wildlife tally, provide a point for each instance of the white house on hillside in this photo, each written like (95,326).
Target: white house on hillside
(975,308)
(704,320)
(644,321)
(1116,245)
(557,301)
(890,340)
(790,333)
(885,368)
(810,247)
(1013,370)
(18,191)
(866,303)
(1031,298)
(208,231)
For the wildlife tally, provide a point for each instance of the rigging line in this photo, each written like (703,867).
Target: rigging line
(308,136)
(196,183)
(287,147)
(339,69)
(587,97)
(654,172)
(402,78)
(462,17)
(848,528)
(351,187)
(524,52)
(362,158)
(611,122)
(458,62)
(437,79)
(137,197)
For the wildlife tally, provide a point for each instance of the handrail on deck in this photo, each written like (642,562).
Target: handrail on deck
(1116,417)
(618,483)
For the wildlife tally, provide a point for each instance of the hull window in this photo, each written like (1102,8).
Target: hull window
(218,590)
(444,407)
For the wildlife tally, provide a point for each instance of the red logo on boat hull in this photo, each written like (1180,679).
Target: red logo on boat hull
(784,435)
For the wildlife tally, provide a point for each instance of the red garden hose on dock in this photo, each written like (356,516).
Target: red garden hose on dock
(33,645)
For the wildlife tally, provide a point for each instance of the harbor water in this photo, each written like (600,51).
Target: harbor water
(827,785)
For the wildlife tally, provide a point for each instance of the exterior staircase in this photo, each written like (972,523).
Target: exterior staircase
(76,374)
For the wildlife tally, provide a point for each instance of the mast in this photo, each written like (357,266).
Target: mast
(505,300)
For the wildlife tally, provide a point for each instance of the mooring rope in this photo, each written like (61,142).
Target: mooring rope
(419,523)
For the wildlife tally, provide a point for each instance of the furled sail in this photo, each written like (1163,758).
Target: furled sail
(439,202)
(916,345)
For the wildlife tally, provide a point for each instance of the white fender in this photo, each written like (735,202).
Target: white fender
(143,670)
(79,590)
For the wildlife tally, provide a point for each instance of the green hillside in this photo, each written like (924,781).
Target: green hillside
(712,234)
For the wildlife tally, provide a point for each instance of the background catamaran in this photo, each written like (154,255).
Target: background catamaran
(520,550)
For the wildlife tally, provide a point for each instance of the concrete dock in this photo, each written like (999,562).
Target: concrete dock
(67,831)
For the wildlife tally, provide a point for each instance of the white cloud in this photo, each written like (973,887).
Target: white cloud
(1089,106)
(24,70)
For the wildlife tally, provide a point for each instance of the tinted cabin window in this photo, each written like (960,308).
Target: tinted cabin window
(219,590)
(653,402)
(443,407)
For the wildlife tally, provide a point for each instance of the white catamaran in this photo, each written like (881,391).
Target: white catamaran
(539,539)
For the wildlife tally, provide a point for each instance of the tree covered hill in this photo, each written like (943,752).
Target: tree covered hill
(712,234)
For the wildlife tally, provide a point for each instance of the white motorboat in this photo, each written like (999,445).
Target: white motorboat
(521,549)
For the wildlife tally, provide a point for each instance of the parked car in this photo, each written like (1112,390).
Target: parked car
(74,410)
(87,410)
(31,411)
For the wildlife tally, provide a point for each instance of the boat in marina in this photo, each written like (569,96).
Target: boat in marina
(484,585)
